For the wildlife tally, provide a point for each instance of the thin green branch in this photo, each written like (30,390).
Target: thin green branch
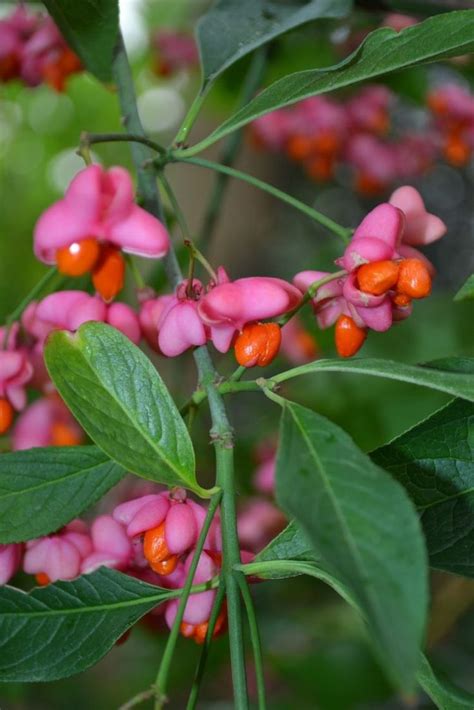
(343,232)
(163,671)
(197,681)
(207,374)
(87,139)
(254,639)
(190,118)
(37,289)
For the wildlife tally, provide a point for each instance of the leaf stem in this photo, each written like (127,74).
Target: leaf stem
(189,119)
(343,232)
(163,671)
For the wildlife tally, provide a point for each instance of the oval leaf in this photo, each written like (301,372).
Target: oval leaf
(121,401)
(451,375)
(233,28)
(466,291)
(441,691)
(43,489)
(434,462)
(383,51)
(63,628)
(91,30)
(363,529)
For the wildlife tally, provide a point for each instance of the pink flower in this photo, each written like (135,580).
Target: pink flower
(180,326)
(99,204)
(229,306)
(374,162)
(175,50)
(272,130)
(10,559)
(58,556)
(111,546)
(258,522)
(199,606)
(398,22)
(15,370)
(264,478)
(368,110)
(68,310)
(421,227)
(149,317)
(46,422)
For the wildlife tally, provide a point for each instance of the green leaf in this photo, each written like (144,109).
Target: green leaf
(43,489)
(383,51)
(434,461)
(91,29)
(466,291)
(441,691)
(233,28)
(451,375)
(364,531)
(63,628)
(121,401)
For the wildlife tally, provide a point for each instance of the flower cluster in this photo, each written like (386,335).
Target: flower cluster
(453,109)
(33,50)
(152,537)
(322,134)
(384,271)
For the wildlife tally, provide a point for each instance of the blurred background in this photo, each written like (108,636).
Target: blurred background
(316,654)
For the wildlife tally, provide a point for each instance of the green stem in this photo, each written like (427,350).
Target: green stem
(254,639)
(309,294)
(37,289)
(88,139)
(163,671)
(208,375)
(189,119)
(343,232)
(197,681)
(231,147)
(222,436)
(136,273)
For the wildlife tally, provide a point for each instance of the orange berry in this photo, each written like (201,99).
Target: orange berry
(109,273)
(42,579)
(257,344)
(64,435)
(155,548)
(165,567)
(299,147)
(438,104)
(326,142)
(187,630)
(367,185)
(6,415)
(200,631)
(414,279)
(401,300)
(320,168)
(78,258)
(378,277)
(456,150)
(348,336)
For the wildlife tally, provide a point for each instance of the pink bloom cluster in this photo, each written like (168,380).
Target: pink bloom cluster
(33,50)
(194,314)
(453,109)
(151,537)
(173,51)
(323,133)
(389,233)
